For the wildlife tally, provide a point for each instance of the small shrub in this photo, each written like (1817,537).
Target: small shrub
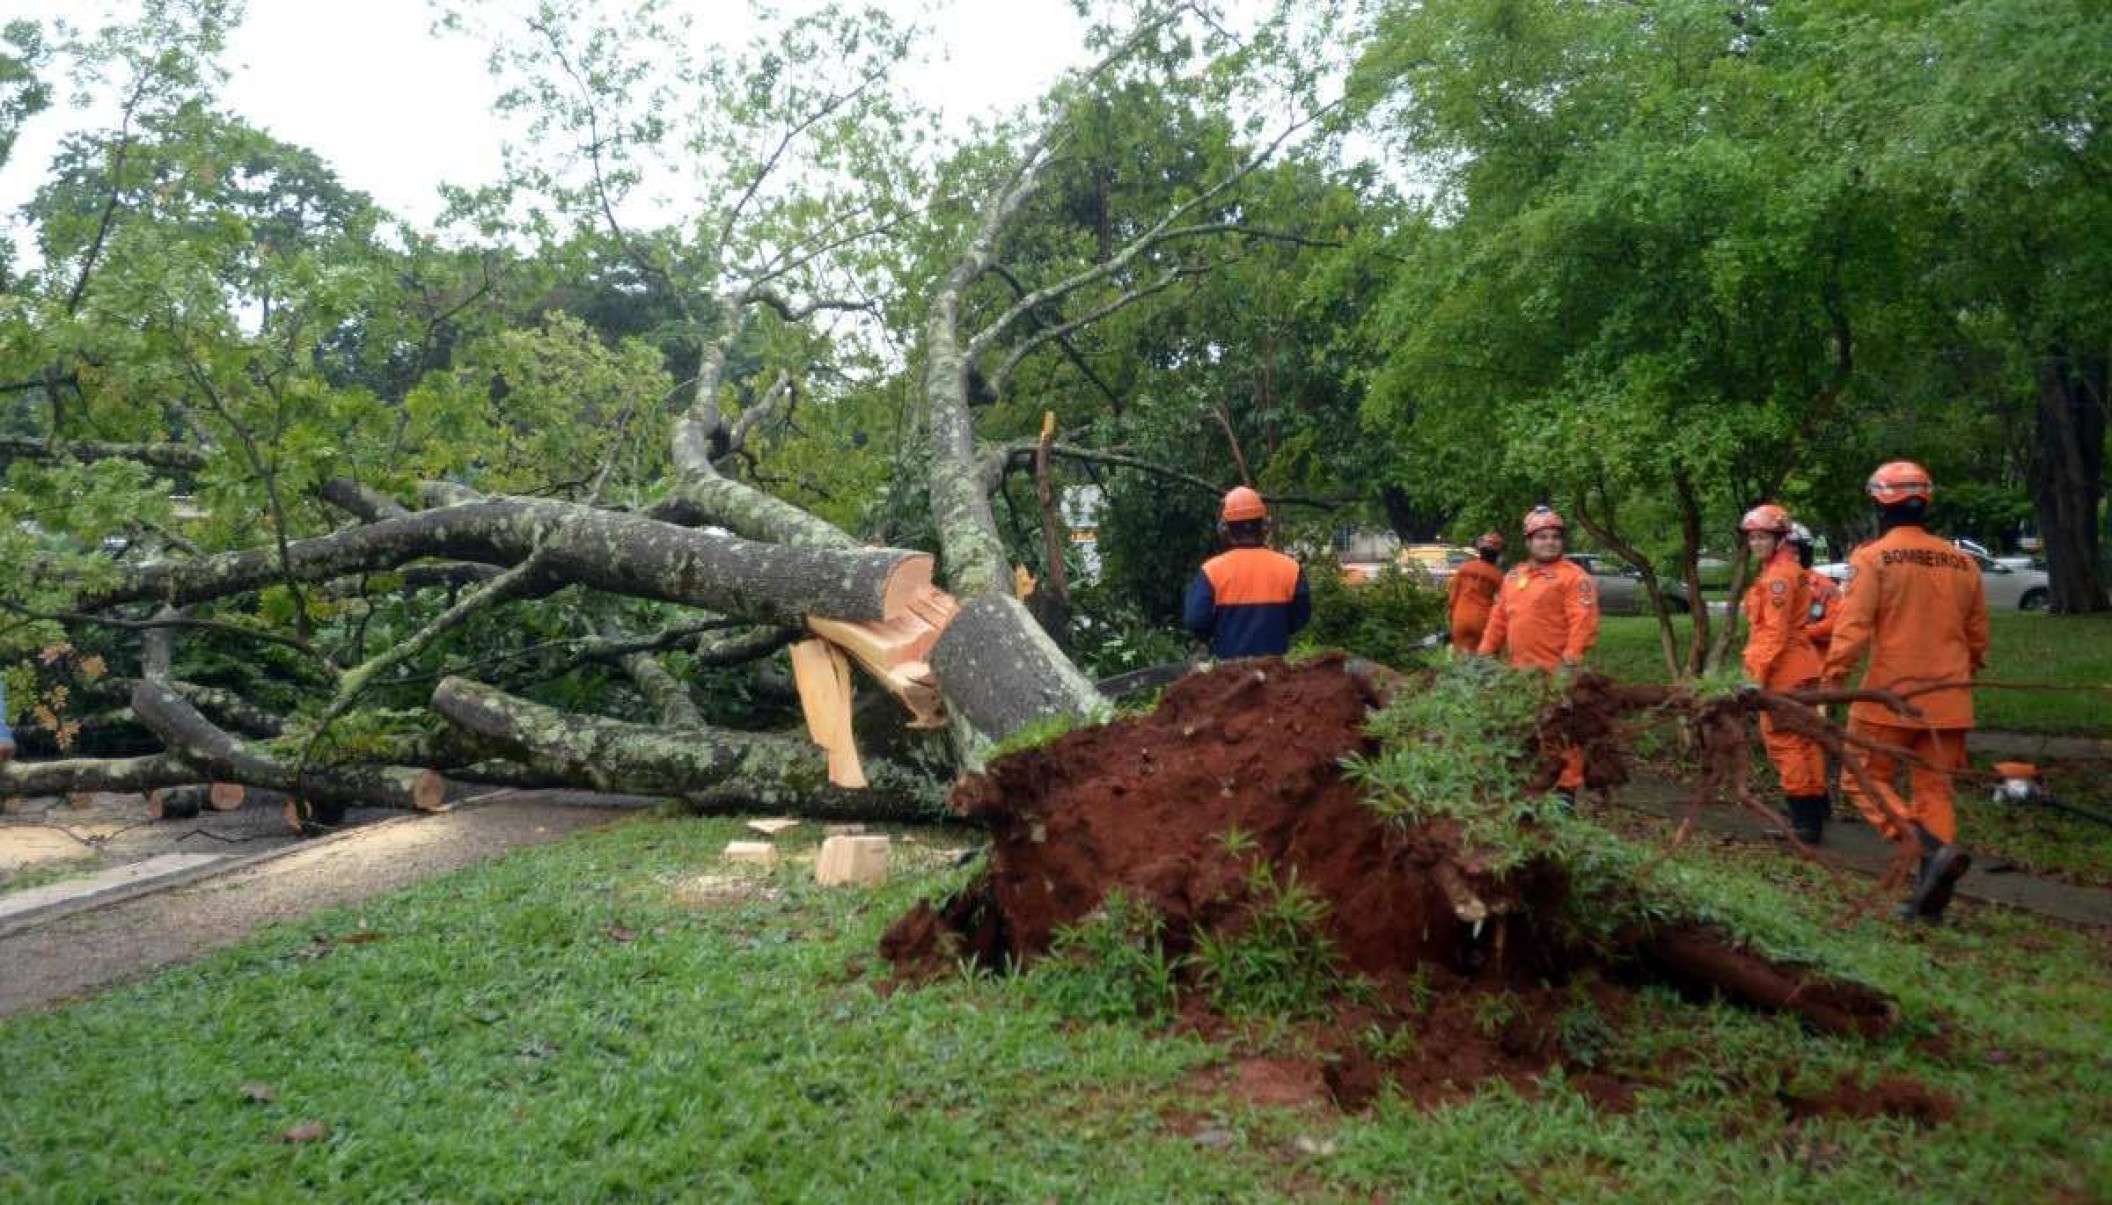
(1384,619)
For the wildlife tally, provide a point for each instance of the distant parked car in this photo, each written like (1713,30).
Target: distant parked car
(2007,589)
(1438,561)
(1621,586)
(2012,562)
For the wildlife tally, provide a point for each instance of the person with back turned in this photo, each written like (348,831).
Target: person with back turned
(1914,604)
(1472,593)
(1249,600)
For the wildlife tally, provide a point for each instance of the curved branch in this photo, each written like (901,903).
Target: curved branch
(607,550)
(181,458)
(721,768)
(361,502)
(197,741)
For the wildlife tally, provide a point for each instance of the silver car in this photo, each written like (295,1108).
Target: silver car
(2007,588)
(1621,586)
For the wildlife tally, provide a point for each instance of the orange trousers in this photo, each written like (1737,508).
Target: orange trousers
(1572,770)
(1799,761)
(1929,788)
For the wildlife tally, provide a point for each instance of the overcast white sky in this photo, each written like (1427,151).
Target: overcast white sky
(397,110)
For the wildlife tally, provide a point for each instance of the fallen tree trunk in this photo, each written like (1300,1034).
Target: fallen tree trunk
(709,767)
(607,550)
(133,774)
(1000,671)
(177,803)
(325,790)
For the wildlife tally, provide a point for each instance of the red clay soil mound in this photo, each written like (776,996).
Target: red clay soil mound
(1146,805)
(1242,766)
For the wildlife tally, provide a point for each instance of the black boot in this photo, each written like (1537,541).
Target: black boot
(1942,866)
(1807,818)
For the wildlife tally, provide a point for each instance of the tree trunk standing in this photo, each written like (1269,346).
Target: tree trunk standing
(1690,567)
(1602,529)
(1412,523)
(2068,484)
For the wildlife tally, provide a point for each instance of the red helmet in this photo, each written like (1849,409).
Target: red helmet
(1242,504)
(1541,518)
(1766,517)
(1899,480)
(1490,541)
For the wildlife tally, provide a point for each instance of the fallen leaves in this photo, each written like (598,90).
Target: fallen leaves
(307,1131)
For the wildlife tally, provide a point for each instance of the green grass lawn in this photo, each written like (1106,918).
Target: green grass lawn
(561,1025)
(2069,650)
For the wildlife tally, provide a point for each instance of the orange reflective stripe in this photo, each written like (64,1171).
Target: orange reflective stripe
(1250,576)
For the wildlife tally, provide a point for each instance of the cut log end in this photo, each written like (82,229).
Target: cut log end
(227,796)
(176,803)
(906,584)
(429,792)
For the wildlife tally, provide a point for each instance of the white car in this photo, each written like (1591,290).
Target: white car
(2007,589)
(1980,550)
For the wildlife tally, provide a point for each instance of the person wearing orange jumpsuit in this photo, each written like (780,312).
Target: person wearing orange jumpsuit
(1473,592)
(1546,616)
(1779,657)
(1825,593)
(1914,605)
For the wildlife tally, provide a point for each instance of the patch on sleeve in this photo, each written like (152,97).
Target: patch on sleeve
(1778,586)
(1587,592)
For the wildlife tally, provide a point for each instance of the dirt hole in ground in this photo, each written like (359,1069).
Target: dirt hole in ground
(1452,975)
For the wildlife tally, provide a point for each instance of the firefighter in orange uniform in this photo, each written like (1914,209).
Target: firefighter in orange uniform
(1473,592)
(1546,616)
(1914,604)
(1779,657)
(1825,593)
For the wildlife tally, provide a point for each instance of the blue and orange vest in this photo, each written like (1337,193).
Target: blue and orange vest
(1248,602)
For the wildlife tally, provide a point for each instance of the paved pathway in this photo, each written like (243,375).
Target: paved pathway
(52,955)
(1858,847)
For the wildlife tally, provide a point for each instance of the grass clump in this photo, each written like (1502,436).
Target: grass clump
(1279,962)
(1458,749)
(1111,966)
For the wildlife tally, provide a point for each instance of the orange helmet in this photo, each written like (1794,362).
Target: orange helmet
(1766,517)
(1899,480)
(1490,541)
(1541,518)
(1241,504)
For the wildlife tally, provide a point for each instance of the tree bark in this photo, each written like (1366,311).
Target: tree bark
(709,767)
(129,774)
(1001,672)
(2068,486)
(180,458)
(332,788)
(619,553)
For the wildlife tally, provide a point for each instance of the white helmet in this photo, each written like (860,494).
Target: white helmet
(1799,534)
